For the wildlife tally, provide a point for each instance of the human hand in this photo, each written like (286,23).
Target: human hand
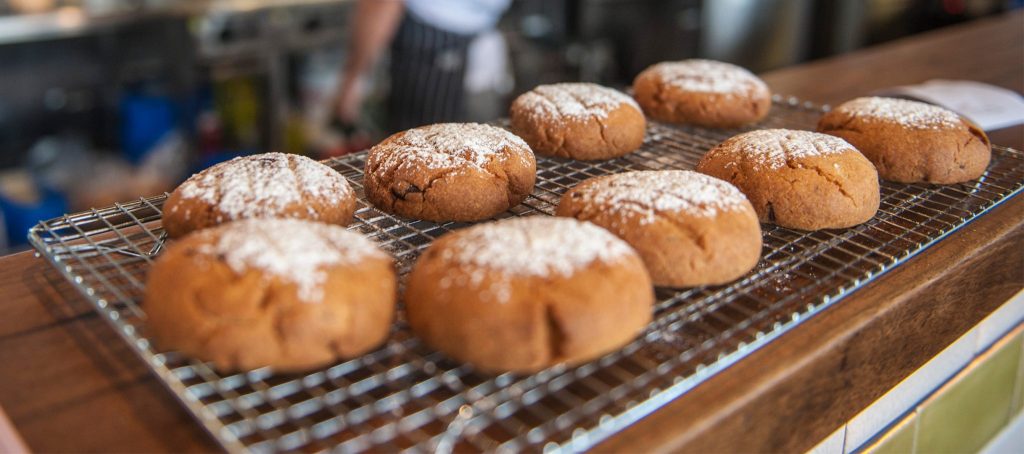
(349,103)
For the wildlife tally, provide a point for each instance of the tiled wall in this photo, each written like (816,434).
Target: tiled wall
(957,402)
(966,412)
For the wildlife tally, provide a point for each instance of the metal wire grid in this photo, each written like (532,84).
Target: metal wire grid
(405,396)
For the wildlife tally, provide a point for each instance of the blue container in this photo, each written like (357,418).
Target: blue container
(144,121)
(19,217)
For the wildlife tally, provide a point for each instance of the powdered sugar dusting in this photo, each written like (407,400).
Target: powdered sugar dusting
(910,114)
(263,185)
(452,145)
(774,148)
(573,101)
(708,76)
(654,192)
(293,250)
(536,246)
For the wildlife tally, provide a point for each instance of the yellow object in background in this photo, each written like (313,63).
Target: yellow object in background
(295,135)
(238,102)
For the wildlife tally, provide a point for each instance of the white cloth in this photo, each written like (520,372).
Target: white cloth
(465,17)
(487,67)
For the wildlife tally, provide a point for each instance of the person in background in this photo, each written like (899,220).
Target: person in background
(428,40)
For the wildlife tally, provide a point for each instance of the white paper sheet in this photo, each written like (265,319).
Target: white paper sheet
(989,106)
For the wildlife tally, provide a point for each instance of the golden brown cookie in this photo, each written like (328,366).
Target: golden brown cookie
(578,121)
(524,294)
(290,294)
(262,186)
(450,172)
(703,93)
(690,229)
(910,141)
(798,179)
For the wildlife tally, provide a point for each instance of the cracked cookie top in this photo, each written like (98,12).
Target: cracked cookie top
(798,179)
(449,145)
(707,76)
(535,246)
(578,121)
(702,93)
(293,250)
(449,172)
(911,142)
(572,101)
(906,113)
(264,184)
(285,293)
(774,148)
(689,228)
(648,193)
(524,294)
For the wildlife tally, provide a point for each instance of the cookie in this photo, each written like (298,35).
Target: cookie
(798,179)
(450,172)
(703,93)
(290,294)
(578,121)
(524,294)
(690,229)
(910,141)
(262,186)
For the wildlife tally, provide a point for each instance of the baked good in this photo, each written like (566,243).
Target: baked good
(578,121)
(703,93)
(524,294)
(798,179)
(690,229)
(910,141)
(271,185)
(450,172)
(285,293)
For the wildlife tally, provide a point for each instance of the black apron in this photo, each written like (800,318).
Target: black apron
(427,70)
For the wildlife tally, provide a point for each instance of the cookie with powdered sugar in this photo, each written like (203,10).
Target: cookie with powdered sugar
(524,294)
(702,92)
(262,186)
(578,121)
(690,229)
(910,141)
(286,293)
(450,172)
(798,179)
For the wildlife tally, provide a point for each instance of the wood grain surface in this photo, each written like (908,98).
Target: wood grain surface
(67,382)
(791,394)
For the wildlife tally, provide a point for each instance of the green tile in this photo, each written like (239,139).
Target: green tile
(898,440)
(971,409)
(1018,403)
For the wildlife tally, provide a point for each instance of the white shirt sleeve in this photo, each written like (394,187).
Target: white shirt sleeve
(465,17)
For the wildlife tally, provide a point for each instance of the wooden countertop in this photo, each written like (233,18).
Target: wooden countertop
(68,383)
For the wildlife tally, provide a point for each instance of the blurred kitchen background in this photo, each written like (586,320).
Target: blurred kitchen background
(109,100)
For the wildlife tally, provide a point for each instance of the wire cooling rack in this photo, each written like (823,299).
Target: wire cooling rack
(405,396)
